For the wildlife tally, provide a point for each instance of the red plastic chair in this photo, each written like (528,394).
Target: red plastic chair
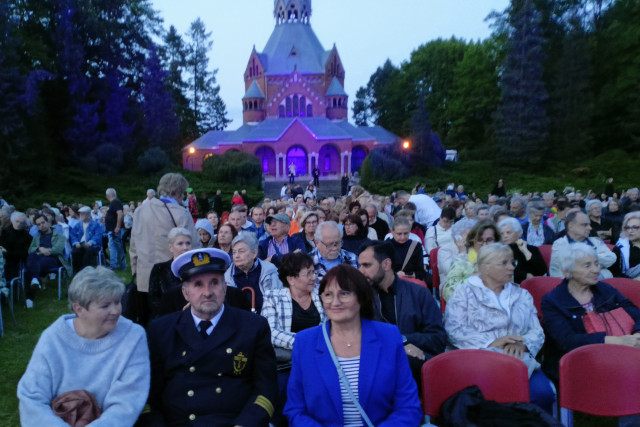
(501,378)
(600,379)
(433,262)
(545,251)
(416,281)
(538,287)
(628,287)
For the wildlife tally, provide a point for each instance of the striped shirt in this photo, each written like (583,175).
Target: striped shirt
(351,368)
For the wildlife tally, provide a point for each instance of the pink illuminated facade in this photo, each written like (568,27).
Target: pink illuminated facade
(295,107)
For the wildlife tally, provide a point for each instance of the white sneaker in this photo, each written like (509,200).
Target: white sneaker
(5,291)
(29,303)
(35,283)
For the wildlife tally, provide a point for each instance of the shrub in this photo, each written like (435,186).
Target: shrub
(233,167)
(153,160)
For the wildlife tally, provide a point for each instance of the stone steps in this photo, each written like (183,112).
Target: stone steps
(327,188)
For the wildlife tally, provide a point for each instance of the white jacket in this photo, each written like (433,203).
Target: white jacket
(606,258)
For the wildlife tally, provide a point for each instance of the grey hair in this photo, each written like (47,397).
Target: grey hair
(401,221)
(628,217)
(172,185)
(574,252)
(177,231)
(513,223)
(633,190)
(536,206)
(373,205)
(491,251)
(520,200)
(482,207)
(152,191)
(591,203)
(94,285)
(246,237)
(324,225)
(15,215)
(111,192)
(461,226)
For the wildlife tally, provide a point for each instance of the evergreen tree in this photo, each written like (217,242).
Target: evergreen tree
(372,101)
(204,93)
(522,123)
(426,145)
(161,126)
(117,129)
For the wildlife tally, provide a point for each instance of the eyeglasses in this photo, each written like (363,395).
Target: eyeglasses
(632,228)
(311,223)
(343,296)
(309,274)
(512,262)
(350,224)
(331,245)
(487,241)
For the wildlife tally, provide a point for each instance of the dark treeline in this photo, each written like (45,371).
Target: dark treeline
(557,82)
(98,85)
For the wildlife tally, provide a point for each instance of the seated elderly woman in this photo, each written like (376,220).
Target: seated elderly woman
(309,223)
(566,311)
(489,312)
(629,247)
(448,252)
(205,230)
(536,232)
(462,266)
(162,280)
(529,261)
(355,234)
(248,271)
(94,351)
(370,353)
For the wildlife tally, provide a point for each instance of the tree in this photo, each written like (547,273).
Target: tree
(372,101)
(161,126)
(208,108)
(521,119)
(426,145)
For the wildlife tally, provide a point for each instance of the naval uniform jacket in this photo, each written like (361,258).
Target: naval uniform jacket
(227,379)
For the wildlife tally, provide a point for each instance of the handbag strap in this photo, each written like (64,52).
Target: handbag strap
(413,245)
(343,377)
(170,214)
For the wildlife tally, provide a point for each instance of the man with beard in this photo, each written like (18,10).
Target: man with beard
(409,306)
(212,364)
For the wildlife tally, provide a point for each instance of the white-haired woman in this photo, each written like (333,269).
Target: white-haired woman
(489,312)
(94,351)
(629,246)
(247,270)
(162,280)
(580,293)
(600,227)
(448,252)
(529,260)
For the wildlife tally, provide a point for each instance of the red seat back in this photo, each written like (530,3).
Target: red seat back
(601,379)
(545,251)
(501,378)
(433,262)
(628,287)
(538,287)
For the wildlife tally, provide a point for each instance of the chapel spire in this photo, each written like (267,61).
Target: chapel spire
(292,11)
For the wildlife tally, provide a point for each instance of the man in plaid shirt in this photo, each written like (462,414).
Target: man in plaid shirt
(328,252)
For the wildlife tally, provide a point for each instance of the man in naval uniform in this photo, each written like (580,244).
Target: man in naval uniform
(212,364)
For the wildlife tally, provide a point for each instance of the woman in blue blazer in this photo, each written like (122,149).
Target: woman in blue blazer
(370,353)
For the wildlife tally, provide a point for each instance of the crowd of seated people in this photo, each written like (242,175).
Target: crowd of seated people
(326,273)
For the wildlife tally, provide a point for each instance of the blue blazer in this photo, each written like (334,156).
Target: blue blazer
(94,234)
(386,390)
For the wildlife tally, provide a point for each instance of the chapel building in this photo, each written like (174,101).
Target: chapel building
(295,108)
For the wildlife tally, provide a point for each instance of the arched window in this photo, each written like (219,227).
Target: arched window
(288,106)
(295,106)
(281,111)
(335,103)
(310,110)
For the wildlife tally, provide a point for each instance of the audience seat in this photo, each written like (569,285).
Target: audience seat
(539,287)
(601,380)
(630,288)
(545,251)
(500,377)
(416,281)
